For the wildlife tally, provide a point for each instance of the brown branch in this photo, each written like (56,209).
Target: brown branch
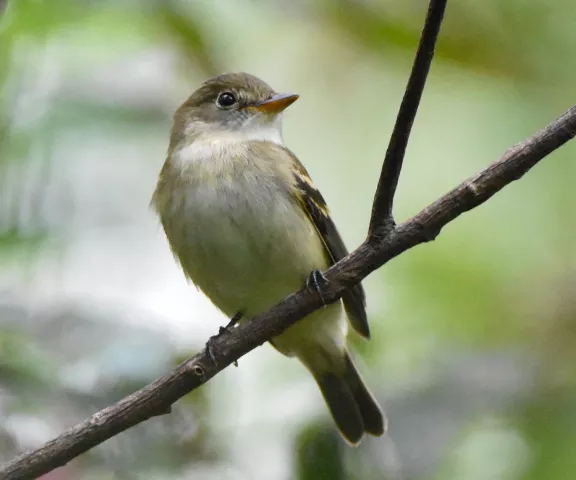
(156,398)
(382,220)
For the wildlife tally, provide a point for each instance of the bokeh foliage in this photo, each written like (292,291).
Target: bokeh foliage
(474,334)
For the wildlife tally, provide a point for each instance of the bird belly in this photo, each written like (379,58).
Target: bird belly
(245,252)
(248,246)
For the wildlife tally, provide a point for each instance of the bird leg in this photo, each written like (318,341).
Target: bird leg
(210,343)
(315,282)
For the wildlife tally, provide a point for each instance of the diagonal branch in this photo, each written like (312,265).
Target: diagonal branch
(156,398)
(382,220)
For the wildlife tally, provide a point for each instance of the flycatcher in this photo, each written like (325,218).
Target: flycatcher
(248,226)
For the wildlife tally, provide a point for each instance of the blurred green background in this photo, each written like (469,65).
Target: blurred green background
(474,335)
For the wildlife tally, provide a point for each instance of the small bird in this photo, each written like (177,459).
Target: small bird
(248,226)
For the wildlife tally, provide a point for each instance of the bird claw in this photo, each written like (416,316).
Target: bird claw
(221,331)
(315,282)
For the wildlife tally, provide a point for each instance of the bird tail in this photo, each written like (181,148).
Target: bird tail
(353,407)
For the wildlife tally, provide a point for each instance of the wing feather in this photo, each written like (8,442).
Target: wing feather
(315,207)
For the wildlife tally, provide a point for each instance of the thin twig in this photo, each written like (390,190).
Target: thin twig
(382,220)
(157,397)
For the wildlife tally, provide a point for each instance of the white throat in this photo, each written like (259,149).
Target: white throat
(220,143)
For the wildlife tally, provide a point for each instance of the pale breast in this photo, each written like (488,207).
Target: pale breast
(239,235)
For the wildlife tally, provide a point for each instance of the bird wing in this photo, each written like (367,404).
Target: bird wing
(315,207)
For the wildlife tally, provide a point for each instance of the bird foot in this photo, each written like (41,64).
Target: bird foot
(221,331)
(315,282)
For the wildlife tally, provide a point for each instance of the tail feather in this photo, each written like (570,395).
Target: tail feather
(342,405)
(353,407)
(372,415)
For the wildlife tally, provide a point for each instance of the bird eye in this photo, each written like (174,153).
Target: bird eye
(226,99)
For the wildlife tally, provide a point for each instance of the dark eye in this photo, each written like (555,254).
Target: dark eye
(226,99)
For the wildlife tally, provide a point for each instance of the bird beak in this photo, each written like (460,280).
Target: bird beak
(277,103)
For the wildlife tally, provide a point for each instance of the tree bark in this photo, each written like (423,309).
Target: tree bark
(385,241)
